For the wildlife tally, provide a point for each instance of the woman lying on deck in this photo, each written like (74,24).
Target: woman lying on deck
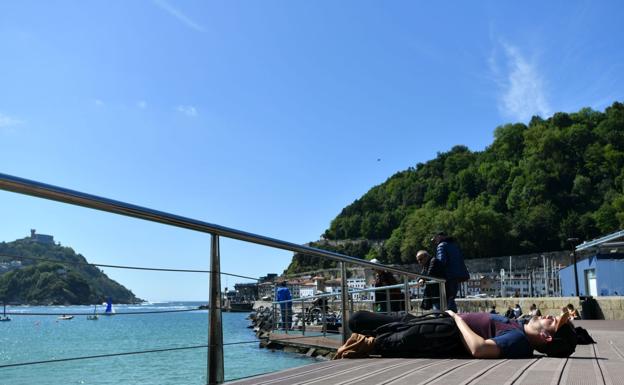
(480,335)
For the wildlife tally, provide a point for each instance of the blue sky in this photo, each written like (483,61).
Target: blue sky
(266,116)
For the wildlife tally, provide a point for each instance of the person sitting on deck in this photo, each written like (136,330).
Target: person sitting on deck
(482,335)
(510,312)
(573,313)
(533,311)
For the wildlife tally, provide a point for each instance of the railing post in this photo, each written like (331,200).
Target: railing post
(274,316)
(442,296)
(215,325)
(388,301)
(346,333)
(408,299)
(324,317)
(303,318)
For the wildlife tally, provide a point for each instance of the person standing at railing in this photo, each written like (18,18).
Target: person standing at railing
(282,295)
(448,252)
(431,267)
(385,296)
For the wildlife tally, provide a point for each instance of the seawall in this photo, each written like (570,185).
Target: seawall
(607,308)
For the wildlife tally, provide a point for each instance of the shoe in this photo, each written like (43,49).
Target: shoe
(357,346)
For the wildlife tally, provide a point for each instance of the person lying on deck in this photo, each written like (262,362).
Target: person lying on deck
(480,335)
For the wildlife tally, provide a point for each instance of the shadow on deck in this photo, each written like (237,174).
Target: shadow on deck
(602,363)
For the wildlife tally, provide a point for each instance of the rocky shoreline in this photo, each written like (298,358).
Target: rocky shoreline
(261,321)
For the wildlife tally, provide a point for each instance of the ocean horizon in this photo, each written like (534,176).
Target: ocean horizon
(32,338)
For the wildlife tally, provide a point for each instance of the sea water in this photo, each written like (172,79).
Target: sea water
(40,338)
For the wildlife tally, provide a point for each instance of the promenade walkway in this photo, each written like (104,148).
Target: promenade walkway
(602,363)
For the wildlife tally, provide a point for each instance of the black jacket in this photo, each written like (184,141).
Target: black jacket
(433,268)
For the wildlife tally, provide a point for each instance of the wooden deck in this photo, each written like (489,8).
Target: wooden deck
(602,363)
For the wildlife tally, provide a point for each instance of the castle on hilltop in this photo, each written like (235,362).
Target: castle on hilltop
(41,238)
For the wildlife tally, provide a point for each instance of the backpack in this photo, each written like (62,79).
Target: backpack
(429,335)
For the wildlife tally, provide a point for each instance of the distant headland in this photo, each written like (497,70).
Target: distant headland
(37,271)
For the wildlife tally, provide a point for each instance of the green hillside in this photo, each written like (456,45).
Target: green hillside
(55,283)
(535,186)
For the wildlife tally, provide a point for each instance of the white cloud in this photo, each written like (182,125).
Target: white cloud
(165,6)
(98,102)
(522,91)
(8,122)
(142,104)
(187,110)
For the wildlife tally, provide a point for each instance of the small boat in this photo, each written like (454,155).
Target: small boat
(109,307)
(93,317)
(65,317)
(4,317)
(241,307)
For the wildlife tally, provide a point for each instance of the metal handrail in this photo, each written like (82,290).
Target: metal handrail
(59,194)
(350,293)
(215,342)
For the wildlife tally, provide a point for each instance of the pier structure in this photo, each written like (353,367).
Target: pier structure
(215,343)
(602,363)
(597,364)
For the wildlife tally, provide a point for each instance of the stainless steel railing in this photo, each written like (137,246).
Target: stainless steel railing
(215,371)
(304,319)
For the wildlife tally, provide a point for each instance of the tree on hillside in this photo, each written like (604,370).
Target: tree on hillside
(530,190)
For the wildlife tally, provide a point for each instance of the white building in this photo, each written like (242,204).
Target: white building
(357,284)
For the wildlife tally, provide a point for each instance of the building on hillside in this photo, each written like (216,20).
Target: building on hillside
(319,283)
(472,287)
(8,266)
(306,289)
(357,283)
(268,278)
(266,291)
(41,238)
(490,285)
(537,282)
(294,286)
(332,286)
(247,291)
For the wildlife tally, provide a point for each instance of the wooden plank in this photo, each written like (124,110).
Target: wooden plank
(430,375)
(582,368)
(315,369)
(602,363)
(506,374)
(353,369)
(610,359)
(468,373)
(374,376)
(546,371)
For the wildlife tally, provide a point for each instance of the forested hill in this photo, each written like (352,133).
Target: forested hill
(55,283)
(530,190)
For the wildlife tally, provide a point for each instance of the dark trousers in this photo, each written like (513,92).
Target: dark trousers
(365,322)
(286,315)
(451,287)
(405,339)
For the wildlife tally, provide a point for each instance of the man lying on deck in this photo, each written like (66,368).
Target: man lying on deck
(481,335)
